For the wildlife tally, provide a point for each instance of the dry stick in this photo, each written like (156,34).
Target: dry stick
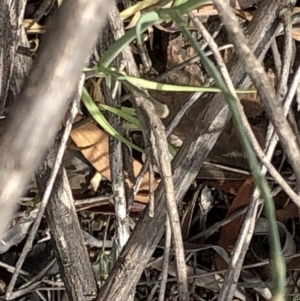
(125,274)
(214,228)
(276,57)
(298,98)
(287,50)
(12,36)
(44,101)
(292,91)
(288,21)
(155,132)
(47,193)
(187,217)
(155,138)
(140,177)
(286,107)
(16,49)
(243,240)
(151,190)
(11,269)
(278,66)
(150,296)
(256,72)
(26,290)
(259,152)
(118,185)
(284,71)
(41,274)
(288,59)
(33,283)
(116,161)
(285,68)
(272,138)
(165,268)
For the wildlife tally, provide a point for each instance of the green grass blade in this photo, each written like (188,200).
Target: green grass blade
(102,121)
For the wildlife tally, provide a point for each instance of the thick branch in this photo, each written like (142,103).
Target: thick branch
(42,104)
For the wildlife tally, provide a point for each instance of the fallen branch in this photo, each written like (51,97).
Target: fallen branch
(44,100)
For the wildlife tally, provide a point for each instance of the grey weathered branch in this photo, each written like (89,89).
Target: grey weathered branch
(11,36)
(42,104)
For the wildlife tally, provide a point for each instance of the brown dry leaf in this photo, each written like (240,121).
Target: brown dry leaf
(93,143)
(230,186)
(230,232)
(289,211)
(294,264)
